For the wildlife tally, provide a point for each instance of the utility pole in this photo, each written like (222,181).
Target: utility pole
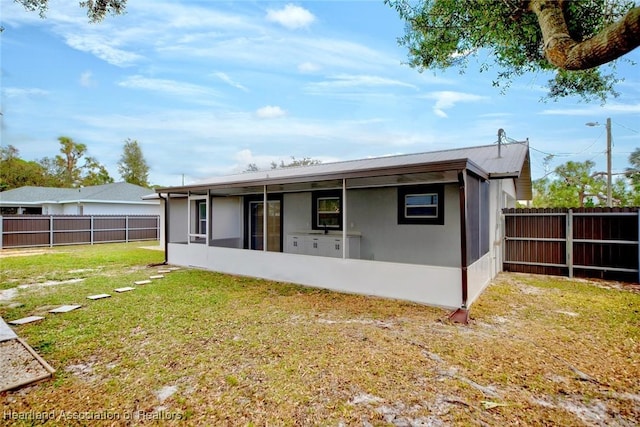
(609,198)
(608,127)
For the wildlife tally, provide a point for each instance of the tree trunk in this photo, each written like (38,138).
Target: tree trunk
(562,51)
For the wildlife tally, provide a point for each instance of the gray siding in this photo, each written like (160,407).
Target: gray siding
(373,213)
(297,212)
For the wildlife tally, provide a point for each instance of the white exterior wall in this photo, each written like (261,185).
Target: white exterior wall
(479,275)
(438,286)
(119,209)
(502,194)
(52,209)
(70,209)
(89,208)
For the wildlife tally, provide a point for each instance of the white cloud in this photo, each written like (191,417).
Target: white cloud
(244,158)
(594,110)
(225,78)
(308,67)
(14,92)
(448,99)
(291,17)
(100,47)
(186,91)
(343,81)
(270,112)
(86,79)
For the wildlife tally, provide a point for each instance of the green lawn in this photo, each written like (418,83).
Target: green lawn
(241,351)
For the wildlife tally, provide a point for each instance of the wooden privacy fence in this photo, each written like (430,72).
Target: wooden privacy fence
(19,231)
(583,242)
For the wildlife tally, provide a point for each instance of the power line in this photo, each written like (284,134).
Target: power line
(627,128)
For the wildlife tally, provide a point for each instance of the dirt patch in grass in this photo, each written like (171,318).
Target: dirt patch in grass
(6,253)
(217,349)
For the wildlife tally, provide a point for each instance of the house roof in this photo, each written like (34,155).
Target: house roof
(485,161)
(119,192)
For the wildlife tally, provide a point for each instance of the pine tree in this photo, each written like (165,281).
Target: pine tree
(132,166)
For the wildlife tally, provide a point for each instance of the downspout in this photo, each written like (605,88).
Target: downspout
(166,230)
(461,315)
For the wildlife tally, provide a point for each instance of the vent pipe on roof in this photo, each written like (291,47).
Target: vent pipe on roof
(501,134)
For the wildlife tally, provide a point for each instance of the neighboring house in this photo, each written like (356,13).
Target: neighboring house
(120,198)
(422,227)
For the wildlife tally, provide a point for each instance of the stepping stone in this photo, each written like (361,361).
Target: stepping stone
(99,296)
(164,271)
(65,308)
(157,276)
(25,320)
(6,333)
(126,289)
(173,268)
(142,282)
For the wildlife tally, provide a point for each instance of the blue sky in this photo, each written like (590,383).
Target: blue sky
(207,87)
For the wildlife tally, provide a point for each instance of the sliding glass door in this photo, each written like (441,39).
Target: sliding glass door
(255,223)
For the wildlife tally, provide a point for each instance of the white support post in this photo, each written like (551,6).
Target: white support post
(189,218)
(344,218)
(265,214)
(209,226)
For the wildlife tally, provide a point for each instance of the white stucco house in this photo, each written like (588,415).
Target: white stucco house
(421,227)
(120,198)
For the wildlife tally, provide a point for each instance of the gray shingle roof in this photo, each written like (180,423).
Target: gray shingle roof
(119,192)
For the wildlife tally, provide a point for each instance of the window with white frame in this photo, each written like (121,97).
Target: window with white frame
(327,210)
(421,204)
(201,213)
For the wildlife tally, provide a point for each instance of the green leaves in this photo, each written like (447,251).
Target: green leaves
(441,34)
(133,167)
(576,184)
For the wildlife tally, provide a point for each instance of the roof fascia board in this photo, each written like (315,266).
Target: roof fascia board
(108,202)
(13,203)
(442,166)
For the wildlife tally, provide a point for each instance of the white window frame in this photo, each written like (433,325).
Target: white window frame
(194,220)
(318,212)
(201,221)
(431,205)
